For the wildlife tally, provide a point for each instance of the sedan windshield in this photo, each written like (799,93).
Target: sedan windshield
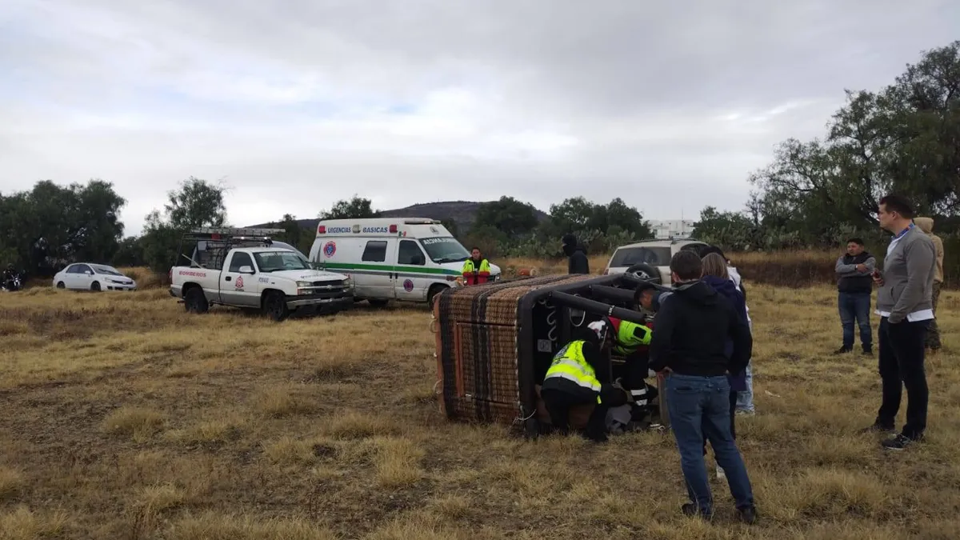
(272,261)
(445,249)
(108,270)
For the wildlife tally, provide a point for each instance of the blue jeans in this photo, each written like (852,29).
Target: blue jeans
(855,307)
(700,407)
(745,397)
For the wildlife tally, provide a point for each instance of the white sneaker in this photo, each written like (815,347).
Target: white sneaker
(720,474)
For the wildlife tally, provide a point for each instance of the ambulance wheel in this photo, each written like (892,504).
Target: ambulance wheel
(433,292)
(645,272)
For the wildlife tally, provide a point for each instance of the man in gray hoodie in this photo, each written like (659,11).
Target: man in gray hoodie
(904,303)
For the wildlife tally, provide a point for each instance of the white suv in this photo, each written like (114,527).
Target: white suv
(649,260)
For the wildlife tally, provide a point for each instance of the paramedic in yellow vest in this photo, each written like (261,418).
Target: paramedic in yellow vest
(476,269)
(630,340)
(574,378)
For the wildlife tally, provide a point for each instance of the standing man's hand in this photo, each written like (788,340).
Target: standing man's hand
(877,278)
(861,268)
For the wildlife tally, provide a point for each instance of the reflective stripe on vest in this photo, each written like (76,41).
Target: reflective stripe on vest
(469,267)
(570,364)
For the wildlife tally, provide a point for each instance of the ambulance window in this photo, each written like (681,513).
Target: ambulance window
(376,251)
(410,253)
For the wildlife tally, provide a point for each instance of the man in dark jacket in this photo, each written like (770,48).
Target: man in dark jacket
(855,286)
(578,263)
(693,326)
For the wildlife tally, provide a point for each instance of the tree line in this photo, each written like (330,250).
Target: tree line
(50,226)
(903,138)
(511,228)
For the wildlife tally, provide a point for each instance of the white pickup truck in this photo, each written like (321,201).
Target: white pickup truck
(275,280)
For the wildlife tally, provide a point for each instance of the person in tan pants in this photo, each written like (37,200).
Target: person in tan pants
(933,334)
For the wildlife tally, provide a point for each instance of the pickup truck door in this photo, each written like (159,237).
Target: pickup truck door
(239,288)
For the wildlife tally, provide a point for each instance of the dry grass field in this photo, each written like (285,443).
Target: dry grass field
(125,418)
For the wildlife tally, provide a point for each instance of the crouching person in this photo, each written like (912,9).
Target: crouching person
(574,379)
(693,326)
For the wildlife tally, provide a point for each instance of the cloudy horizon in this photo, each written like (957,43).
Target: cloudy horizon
(298,105)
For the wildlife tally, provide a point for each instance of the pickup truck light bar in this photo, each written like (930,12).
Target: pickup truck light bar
(222,233)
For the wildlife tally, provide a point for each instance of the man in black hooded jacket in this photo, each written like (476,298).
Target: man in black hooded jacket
(578,263)
(693,328)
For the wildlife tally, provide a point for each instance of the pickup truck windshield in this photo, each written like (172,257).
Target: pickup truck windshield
(445,249)
(272,261)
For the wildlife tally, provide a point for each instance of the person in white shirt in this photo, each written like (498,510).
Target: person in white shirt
(905,306)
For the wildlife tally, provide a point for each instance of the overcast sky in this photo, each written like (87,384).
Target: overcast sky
(296,104)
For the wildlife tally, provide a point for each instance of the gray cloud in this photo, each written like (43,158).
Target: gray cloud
(301,103)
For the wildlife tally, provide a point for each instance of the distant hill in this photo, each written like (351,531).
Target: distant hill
(463,213)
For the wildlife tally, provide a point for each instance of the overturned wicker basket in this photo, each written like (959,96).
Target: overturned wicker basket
(495,341)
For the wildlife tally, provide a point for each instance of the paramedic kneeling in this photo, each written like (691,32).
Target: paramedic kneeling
(572,380)
(693,326)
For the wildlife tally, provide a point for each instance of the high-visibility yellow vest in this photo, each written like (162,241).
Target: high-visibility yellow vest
(570,364)
(469,267)
(627,340)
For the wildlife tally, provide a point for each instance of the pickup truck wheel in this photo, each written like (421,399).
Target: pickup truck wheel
(194,301)
(378,302)
(275,305)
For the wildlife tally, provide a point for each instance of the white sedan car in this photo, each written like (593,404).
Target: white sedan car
(93,277)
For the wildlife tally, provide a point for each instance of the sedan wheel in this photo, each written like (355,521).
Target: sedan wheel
(95,287)
(60,285)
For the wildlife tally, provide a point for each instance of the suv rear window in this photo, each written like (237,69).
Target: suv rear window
(654,256)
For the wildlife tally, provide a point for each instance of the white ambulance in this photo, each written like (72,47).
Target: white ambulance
(408,259)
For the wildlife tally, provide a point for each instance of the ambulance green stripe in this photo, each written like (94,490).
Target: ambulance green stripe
(389,268)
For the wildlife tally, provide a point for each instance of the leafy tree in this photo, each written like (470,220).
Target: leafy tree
(356,208)
(574,214)
(578,215)
(196,204)
(731,231)
(508,215)
(292,231)
(627,218)
(98,229)
(129,253)
(451,226)
(904,138)
(52,225)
